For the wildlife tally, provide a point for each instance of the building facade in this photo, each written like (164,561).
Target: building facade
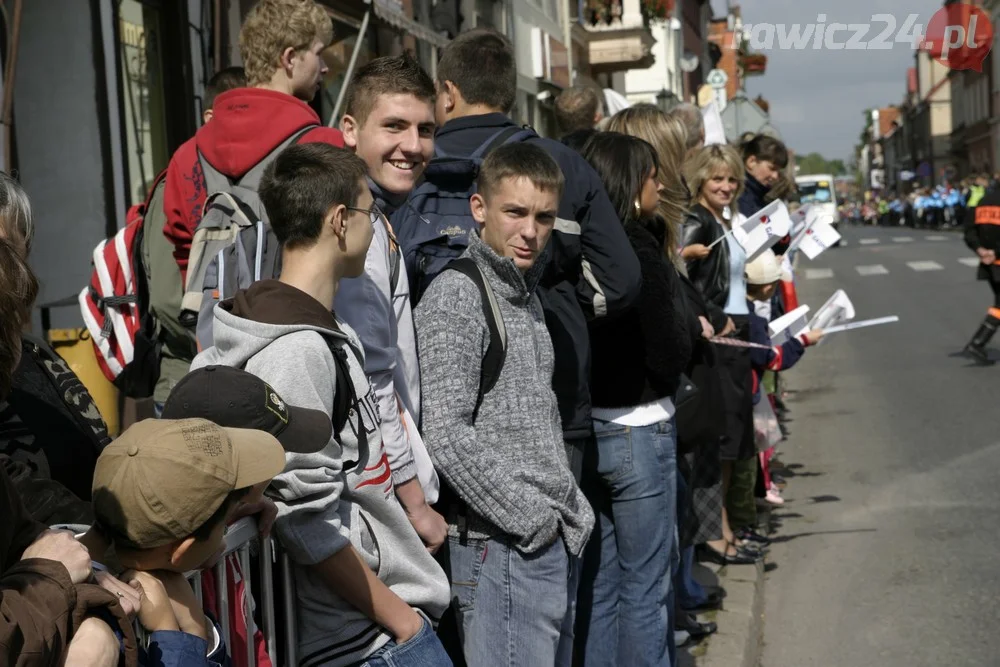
(130,77)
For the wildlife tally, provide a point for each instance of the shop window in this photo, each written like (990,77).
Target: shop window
(143,90)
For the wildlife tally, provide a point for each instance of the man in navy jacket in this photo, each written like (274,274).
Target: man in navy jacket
(591,271)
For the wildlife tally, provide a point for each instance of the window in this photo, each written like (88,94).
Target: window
(140,64)
(338,56)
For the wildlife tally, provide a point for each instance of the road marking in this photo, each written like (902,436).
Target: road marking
(970,261)
(924,266)
(937,238)
(903,239)
(869,241)
(873,270)
(818,274)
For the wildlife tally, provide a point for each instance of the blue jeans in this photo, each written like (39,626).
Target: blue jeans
(626,582)
(423,649)
(689,592)
(511,606)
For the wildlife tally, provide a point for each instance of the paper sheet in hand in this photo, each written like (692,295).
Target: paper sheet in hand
(837,310)
(714,132)
(789,325)
(763,229)
(801,218)
(818,237)
(862,324)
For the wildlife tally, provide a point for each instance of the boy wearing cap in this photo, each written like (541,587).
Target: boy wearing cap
(162,493)
(365,582)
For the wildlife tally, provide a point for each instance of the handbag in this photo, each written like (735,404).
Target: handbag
(700,420)
(766,431)
(686,390)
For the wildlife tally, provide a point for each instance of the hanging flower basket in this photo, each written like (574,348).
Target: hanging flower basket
(657,10)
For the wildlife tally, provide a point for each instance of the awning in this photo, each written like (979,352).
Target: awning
(389,12)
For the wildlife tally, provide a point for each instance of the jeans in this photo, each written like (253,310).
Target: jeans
(511,606)
(626,583)
(423,649)
(689,593)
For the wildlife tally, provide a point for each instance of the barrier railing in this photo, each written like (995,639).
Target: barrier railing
(240,538)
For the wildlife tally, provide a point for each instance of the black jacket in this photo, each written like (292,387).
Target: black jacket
(639,357)
(982,230)
(709,275)
(591,271)
(753,197)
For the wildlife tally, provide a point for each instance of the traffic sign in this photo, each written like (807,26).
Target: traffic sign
(717,78)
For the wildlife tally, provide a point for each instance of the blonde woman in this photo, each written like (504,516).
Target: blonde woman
(669,138)
(716,267)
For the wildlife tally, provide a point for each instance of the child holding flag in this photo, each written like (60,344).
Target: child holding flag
(762,276)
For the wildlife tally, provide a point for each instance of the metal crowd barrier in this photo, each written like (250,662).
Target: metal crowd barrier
(239,538)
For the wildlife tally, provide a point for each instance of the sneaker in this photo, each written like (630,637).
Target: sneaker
(774,496)
(681,637)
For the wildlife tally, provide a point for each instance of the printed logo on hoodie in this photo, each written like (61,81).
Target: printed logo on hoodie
(376,471)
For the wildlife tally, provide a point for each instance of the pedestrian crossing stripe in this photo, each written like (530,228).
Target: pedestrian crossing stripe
(903,239)
(818,274)
(873,270)
(937,238)
(924,266)
(970,261)
(870,241)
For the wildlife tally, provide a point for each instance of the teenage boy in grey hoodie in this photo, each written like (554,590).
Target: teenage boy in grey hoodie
(365,583)
(389,123)
(520,518)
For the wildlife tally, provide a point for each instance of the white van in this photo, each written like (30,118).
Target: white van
(818,190)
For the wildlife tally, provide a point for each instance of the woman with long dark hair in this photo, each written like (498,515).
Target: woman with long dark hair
(626,612)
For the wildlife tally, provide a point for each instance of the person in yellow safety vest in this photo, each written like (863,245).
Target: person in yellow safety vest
(982,235)
(976,191)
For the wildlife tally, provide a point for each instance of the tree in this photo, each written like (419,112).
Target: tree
(814,163)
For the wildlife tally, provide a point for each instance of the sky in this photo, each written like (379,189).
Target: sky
(818,97)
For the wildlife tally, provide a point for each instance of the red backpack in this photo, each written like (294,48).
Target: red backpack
(115,307)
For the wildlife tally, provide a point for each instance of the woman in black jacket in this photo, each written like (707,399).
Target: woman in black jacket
(715,262)
(699,475)
(637,361)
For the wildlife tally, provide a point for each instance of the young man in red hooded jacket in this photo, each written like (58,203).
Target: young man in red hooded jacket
(280,42)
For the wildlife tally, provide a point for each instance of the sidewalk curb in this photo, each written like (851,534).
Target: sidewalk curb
(740,636)
(741,619)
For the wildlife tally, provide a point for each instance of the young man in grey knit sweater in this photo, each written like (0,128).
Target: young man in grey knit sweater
(520,518)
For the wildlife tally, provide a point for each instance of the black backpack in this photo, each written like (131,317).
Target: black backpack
(489,372)
(434,224)
(496,352)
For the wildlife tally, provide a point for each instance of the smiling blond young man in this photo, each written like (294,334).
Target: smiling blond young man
(389,123)
(520,517)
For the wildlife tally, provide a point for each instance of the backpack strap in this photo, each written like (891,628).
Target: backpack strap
(499,138)
(251,179)
(216,181)
(496,352)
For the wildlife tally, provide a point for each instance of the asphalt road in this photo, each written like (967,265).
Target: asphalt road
(888,552)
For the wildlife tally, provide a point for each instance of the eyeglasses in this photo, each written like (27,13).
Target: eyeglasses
(374,212)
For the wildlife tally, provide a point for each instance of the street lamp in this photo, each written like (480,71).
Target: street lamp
(666,100)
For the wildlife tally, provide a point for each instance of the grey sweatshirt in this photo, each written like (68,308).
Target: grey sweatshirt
(338,496)
(509,466)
